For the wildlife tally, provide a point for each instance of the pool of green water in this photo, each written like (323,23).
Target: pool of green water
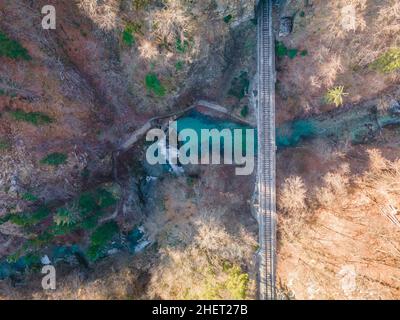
(287,135)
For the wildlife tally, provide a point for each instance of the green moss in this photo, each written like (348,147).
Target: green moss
(35,118)
(387,62)
(154,85)
(54,159)
(12,49)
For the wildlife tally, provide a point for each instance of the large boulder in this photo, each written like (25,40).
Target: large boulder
(286,26)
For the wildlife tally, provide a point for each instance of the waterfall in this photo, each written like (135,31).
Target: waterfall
(170,153)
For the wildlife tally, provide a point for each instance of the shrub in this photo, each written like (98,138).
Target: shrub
(336,185)
(105,199)
(140,4)
(244,112)
(89,223)
(66,220)
(228,18)
(181,46)
(292,53)
(335,95)
(237,283)
(30,219)
(35,118)
(12,49)
(64,216)
(63,229)
(127,36)
(87,203)
(179,65)
(54,159)
(387,62)
(100,238)
(293,196)
(154,85)
(29,197)
(4,145)
(280,49)
(104,233)
(92,202)
(240,86)
(32,260)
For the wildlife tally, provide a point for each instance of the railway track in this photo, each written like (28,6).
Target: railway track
(266,176)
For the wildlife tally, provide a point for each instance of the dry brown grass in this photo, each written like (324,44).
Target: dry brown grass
(172,21)
(103,13)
